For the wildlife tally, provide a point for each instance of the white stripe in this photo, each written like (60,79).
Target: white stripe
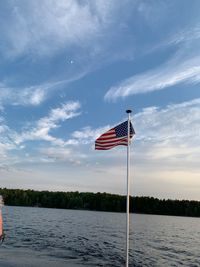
(111,144)
(110,140)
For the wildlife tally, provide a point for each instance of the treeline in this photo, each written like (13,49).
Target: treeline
(99,202)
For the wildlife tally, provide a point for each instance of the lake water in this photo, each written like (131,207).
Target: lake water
(51,237)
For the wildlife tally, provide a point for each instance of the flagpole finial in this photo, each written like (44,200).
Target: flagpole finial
(128,111)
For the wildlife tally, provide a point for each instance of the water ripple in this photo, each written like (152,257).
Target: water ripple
(84,238)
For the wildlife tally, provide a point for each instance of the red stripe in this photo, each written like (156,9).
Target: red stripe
(111,140)
(107,134)
(107,137)
(109,145)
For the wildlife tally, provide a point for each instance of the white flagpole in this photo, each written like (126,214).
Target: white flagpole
(127,198)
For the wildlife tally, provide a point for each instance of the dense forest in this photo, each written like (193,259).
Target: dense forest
(99,202)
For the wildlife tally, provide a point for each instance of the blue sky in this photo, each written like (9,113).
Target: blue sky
(70,69)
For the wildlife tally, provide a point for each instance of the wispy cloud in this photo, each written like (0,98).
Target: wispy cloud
(166,151)
(33,95)
(60,154)
(181,66)
(6,146)
(42,129)
(165,154)
(181,125)
(174,72)
(177,123)
(58,24)
(166,148)
(53,22)
(186,35)
(87,135)
(171,134)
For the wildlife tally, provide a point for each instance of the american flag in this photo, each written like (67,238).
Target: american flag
(114,137)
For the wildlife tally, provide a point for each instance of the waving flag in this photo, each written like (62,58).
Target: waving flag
(114,137)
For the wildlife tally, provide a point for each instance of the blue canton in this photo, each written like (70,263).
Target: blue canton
(121,129)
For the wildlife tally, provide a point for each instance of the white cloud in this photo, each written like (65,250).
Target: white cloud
(164,153)
(175,122)
(185,35)
(33,25)
(174,72)
(6,146)
(180,67)
(33,95)
(164,150)
(178,137)
(162,134)
(42,129)
(87,135)
(63,155)
(10,141)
